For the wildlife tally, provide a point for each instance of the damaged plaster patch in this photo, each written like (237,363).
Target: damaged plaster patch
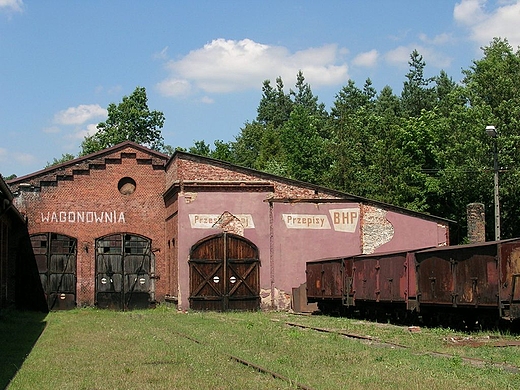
(190,197)
(444,240)
(280,301)
(376,229)
(230,224)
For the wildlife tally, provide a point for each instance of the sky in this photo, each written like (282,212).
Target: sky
(203,63)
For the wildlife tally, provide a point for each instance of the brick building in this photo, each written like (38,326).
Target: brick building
(127,226)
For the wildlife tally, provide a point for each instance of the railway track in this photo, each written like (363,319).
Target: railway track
(472,361)
(372,340)
(250,364)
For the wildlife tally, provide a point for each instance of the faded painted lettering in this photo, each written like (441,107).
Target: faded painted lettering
(208,221)
(345,220)
(306,221)
(83,217)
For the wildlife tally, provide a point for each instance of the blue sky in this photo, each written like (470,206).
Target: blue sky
(203,62)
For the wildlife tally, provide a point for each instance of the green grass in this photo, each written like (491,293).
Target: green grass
(157,349)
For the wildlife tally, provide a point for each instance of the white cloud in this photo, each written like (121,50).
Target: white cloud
(400,56)
(440,39)
(52,130)
(174,87)
(223,66)
(11,5)
(469,11)
(24,158)
(80,114)
(162,55)
(485,25)
(87,131)
(367,59)
(18,157)
(207,100)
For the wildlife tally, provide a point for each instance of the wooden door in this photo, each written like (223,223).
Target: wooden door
(224,274)
(56,260)
(124,265)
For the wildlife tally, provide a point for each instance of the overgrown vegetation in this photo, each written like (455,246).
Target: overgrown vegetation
(166,349)
(425,149)
(130,120)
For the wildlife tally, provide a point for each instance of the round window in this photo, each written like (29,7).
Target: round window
(126,186)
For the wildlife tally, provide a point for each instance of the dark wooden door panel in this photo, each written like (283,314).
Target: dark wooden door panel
(224,274)
(56,256)
(123,272)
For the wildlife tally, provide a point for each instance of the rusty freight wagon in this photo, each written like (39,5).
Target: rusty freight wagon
(447,285)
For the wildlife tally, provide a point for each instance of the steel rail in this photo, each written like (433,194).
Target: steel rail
(250,364)
(473,361)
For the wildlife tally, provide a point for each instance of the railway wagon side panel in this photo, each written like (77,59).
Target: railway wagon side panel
(434,279)
(409,286)
(364,279)
(466,276)
(510,279)
(325,280)
(381,279)
(393,279)
(476,277)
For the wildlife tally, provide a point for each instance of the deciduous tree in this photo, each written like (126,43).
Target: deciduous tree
(130,120)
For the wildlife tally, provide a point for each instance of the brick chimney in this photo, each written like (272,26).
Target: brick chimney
(476,223)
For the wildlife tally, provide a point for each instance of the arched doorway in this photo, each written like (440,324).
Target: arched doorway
(224,274)
(124,266)
(56,256)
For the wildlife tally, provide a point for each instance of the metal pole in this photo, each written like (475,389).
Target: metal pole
(496,190)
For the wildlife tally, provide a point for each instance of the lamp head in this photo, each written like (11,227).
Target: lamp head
(491,131)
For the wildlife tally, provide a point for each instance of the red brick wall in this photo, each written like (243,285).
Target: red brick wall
(186,168)
(92,186)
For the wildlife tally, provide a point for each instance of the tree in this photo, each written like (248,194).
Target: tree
(222,151)
(130,120)
(349,147)
(275,106)
(493,90)
(265,144)
(300,138)
(247,144)
(271,155)
(417,94)
(387,103)
(200,148)
(303,96)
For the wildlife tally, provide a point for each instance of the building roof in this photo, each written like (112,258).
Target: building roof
(7,196)
(339,195)
(86,158)
(166,162)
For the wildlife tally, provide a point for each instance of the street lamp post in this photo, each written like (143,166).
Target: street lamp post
(492,132)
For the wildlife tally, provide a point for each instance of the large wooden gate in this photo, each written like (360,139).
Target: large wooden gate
(124,269)
(56,260)
(224,274)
